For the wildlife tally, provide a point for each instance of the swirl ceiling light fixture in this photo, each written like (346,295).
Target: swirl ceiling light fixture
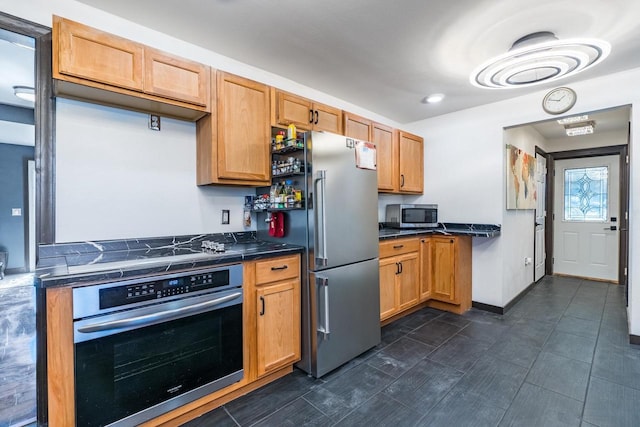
(539,58)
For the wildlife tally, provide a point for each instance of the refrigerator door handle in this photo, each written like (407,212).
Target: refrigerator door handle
(323,326)
(320,234)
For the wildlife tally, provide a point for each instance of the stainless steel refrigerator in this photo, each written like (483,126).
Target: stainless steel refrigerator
(339,228)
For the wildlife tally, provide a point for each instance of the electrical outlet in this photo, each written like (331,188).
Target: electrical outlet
(154,122)
(225,216)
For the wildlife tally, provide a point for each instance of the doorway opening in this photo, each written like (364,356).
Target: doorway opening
(26,175)
(571,187)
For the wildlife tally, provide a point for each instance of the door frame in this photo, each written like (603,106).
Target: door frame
(548,266)
(44,156)
(623,245)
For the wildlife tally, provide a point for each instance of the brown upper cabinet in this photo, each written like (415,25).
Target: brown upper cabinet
(287,108)
(400,161)
(93,65)
(386,139)
(399,154)
(233,143)
(357,127)
(410,163)
(174,78)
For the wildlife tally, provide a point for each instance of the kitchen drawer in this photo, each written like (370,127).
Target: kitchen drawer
(399,246)
(275,269)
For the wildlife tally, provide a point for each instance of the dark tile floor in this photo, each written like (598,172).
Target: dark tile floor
(560,357)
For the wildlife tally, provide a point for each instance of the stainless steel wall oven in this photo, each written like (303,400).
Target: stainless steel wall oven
(149,345)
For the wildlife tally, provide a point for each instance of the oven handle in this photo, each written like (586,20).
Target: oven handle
(153,318)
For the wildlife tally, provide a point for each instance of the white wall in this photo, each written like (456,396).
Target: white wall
(115,178)
(467,149)
(517,276)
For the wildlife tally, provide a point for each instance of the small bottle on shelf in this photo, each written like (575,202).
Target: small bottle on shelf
(291,135)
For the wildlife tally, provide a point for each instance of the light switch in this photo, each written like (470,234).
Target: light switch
(225,216)
(16,212)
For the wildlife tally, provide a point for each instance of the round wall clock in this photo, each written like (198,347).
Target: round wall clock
(559,100)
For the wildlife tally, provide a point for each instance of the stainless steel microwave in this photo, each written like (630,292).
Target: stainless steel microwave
(411,216)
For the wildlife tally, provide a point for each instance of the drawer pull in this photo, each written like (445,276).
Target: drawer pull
(398,247)
(284,267)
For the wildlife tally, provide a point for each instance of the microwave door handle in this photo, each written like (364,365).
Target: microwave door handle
(153,318)
(320,229)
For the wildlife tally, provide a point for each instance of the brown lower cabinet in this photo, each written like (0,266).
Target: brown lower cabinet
(432,271)
(271,341)
(399,276)
(277,299)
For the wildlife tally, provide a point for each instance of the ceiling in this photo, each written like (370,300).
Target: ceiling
(375,54)
(386,56)
(611,120)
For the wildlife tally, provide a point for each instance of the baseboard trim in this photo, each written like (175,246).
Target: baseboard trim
(518,297)
(634,339)
(503,310)
(487,307)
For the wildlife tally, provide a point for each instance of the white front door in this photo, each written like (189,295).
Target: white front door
(586,208)
(540,255)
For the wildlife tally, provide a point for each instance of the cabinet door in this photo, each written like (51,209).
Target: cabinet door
(357,127)
(388,272)
(327,118)
(176,78)
(91,54)
(426,272)
(408,281)
(293,109)
(385,139)
(443,264)
(278,325)
(411,165)
(244,134)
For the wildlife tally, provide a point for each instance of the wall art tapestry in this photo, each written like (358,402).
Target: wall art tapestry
(521,181)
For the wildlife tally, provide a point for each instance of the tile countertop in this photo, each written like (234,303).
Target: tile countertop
(82,263)
(443,229)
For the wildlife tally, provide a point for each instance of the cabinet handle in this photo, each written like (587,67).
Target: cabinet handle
(310,116)
(401,180)
(398,247)
(316,122)
(397,268)
(451,241)
(262,310)
(400,267)
(423,240)
(284,267)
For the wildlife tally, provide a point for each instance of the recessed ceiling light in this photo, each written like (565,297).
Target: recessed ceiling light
(573,119)
(433,98)
(577,129)
(539,58)
(25,92)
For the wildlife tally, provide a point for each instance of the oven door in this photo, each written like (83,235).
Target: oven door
(135,365)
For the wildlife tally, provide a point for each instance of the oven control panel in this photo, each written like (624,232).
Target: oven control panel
(148,290)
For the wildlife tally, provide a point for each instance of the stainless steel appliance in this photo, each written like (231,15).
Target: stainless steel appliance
(149,345)
(339,228)
(411,216)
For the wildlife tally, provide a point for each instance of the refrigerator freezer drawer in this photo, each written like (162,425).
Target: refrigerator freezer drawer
(346,314)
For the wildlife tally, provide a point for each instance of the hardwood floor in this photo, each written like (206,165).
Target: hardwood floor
(17,352)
